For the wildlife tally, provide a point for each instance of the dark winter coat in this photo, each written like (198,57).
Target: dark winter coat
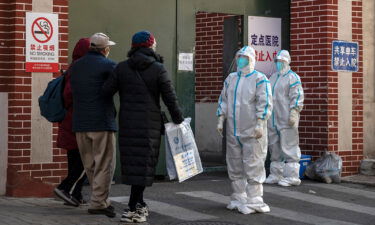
(66,139)
(92,111)
(140,119)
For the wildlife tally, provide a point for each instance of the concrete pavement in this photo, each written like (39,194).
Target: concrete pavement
(360,179)
(203,198)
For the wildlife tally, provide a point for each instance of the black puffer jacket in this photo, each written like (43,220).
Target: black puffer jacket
(140,119)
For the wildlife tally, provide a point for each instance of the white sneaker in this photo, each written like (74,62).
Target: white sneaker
(244,209)
(133,217)
(142,209)
(271,179)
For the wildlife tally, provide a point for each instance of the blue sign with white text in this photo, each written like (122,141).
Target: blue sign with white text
(345,56)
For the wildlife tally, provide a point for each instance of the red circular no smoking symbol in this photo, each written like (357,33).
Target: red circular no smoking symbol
(42,30)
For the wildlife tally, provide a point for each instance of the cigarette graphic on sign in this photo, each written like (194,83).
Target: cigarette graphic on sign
(45,26)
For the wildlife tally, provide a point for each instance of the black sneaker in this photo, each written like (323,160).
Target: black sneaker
(65,197)
(133,216)
(109,211)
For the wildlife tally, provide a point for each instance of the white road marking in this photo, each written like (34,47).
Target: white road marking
(320,200)
(275,211)
(348,190)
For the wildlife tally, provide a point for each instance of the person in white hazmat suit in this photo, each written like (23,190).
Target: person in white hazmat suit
(246,104)
(283,139)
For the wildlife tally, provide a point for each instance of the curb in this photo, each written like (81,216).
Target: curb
(359,179)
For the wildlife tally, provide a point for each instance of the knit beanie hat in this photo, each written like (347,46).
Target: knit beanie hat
(143,39)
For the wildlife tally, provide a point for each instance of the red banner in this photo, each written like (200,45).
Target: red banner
(42,67)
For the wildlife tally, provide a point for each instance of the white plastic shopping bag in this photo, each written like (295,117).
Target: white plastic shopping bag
(182,156)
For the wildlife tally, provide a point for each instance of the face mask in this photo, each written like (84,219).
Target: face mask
(242,62)
(279,66)
(106,53)
(154,46)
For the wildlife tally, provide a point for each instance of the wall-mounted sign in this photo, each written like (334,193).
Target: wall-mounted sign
(42,42)
(345,56)
(185,61)
(264,35)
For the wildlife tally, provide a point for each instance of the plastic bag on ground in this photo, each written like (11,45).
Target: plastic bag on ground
(326,169)
(182,156)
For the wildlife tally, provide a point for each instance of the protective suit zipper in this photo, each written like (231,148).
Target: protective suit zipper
(273,91)
(234,103)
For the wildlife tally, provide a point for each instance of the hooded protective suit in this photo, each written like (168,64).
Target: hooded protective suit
(283,136)
(246,103)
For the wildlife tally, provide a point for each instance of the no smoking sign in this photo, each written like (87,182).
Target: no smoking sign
(42,42)
(42,30)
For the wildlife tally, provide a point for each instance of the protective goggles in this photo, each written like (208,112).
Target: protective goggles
(275,60)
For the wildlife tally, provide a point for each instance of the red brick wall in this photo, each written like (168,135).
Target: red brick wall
(209,56)
(354,158)
(314,25)
(24,178)
(312,30)
(60,7)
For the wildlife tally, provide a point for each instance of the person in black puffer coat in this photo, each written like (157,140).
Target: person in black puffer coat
(141,80)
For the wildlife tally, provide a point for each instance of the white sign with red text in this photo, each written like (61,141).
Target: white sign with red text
(265,37)
(42,42)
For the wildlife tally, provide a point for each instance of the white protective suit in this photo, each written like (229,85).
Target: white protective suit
(246,103)
(283,139)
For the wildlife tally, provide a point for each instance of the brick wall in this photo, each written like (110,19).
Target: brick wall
(314,25)
(312,30)
(209,56)
(354,158)
(24,178)
(60,7)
